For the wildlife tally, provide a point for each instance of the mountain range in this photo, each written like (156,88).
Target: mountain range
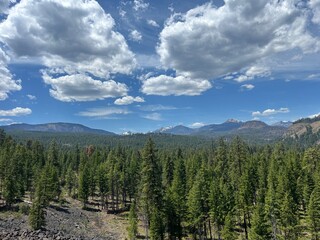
(54,128)
(232,127)
(253,129)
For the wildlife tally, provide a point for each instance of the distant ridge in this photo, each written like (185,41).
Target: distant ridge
(59,127)
(231,127)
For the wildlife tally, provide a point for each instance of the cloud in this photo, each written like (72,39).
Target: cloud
(32,97)
(148,60)
(153,116)
(157,107)
(7,83)
(153,23)
(5,120)
(72,37)
(140,5)
(247,87)
(68,39)
(126,100)
(208,42)
(253,72)
(166,85)
(269,112)
(103,112)
(5,4)
(135,36)
(15,112)
(197,125)
(315,6)
(314,115)
(80,87)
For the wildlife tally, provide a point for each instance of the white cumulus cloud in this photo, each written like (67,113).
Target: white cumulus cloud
(126,100)
(152,23)
(31,97)
(7,82)
(269,112)
(80,87)
(68,39)
(135,36)
(247,86)
(315,6)
(166,85)
(5,4)
(15,112)
(253,72)
(209,42)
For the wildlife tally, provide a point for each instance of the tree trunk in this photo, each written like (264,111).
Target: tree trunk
(245,226)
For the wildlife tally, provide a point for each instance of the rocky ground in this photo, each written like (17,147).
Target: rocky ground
(67,221)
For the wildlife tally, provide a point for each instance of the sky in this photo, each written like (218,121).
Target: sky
(139,65)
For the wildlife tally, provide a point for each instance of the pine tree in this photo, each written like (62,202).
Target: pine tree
(172,220)
(84,185)
(37,216)
(151,190)
(313,213)
(70,181)
(197,203)
(288,217)
(178,194)
(102,181)
(41,201)
(156,224)
(133,222)
(260,228)
(9,190)
(228,231)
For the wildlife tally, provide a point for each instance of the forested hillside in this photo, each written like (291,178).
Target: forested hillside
(225,190)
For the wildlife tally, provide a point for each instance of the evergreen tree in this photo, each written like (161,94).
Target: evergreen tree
(197,204)
(102,181)
(70,181)
(133,222)
(84,185)
(260,228)
(41,201)
(228,231)
(313,213)
(9,190)
(151,191)
(288,217)
(37,215)
(178,195)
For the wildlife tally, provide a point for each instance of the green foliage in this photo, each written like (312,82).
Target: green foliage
(228,229)
(260,228)
(313,213)
(133,222)
(151,190)
(37,216)
(84,185)
(229,190)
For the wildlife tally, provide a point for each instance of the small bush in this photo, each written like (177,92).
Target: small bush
(24,209)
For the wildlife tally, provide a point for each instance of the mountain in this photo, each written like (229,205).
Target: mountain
(228,125)
(54,127)
(177,130)
(303,126)
(285,124)
(253,130)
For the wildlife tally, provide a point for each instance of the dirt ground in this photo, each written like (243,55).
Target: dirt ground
(65,221)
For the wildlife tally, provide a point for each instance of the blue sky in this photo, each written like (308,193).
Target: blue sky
(140,65)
